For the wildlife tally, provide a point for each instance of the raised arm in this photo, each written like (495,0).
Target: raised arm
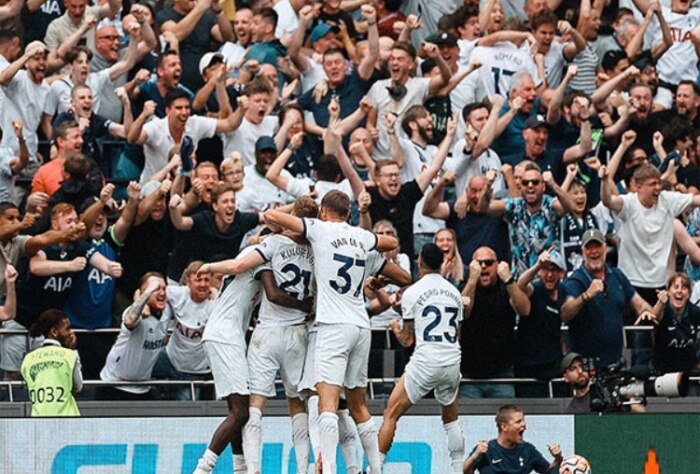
(127,61)
(563,204)
(293,223)
(439,81)
(10,71)
(105,265)
(132,315)
(274,173)
(585,145)
(22,160)
(296,40)
(666,42)
(136,135)
(333,143)
(56,57)
(9,309)
(519,300)
(426,176)
(39,265)
(180,222)
(486,205)
(126,218)
(602,93)
(233,121)
(554,109)
(488,132)
(578,43)
(469,290)
(240,264)
(366,66)
(610,200)
(628,138)
(183,28)
(222,31)
(634,47)
(434,206)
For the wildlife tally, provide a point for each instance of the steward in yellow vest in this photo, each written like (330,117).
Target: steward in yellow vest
(52,372)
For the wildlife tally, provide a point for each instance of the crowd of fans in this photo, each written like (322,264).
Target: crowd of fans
(549,148)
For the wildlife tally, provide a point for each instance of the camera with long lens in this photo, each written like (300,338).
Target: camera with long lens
(614,388)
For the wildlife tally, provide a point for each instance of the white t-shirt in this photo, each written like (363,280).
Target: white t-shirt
(292,264)
(424,224)
(23,100)
(498,65)
(287,21)
(554,62)
(342,249)
(418,89)
(3,65)
(299,186)
(134,353)
(59,97)
(465,168)
(244,137)
(258,194)
(679,62)
(7,179)
(646,237)
(230,315)
(312,76)
(416,158)
(435,305)
(188,319)
(160,141)
(465,51)
(233,52)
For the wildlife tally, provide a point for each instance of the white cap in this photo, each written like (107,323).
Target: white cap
(207,60)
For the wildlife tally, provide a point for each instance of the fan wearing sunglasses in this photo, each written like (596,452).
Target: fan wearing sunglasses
(532,218)
(488,335)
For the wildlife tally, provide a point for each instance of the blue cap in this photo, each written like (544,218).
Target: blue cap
(265,143)
(319,32)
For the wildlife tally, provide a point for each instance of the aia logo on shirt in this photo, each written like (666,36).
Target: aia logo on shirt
(188,332)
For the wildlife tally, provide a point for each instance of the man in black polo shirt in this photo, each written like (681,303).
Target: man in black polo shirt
(487,337)
(216,233)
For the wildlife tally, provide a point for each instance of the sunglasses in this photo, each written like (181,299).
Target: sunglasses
(487,263)
(528,182)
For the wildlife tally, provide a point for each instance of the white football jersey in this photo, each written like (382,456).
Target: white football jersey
(134,353)
(187,319)
(435,306)
(230,314)
(292,264)
(678,63)
(499,63)
(340,251)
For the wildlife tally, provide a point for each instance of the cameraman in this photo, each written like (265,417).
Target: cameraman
(579,379)
(580,382)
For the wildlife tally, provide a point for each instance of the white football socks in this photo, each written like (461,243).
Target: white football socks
(300,438)
(329,441)
(455,445)
(252,438)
